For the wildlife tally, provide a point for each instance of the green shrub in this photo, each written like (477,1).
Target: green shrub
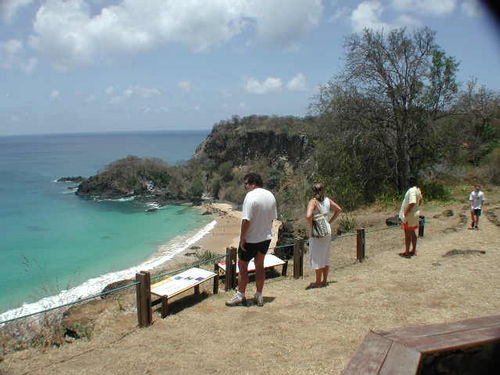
(344,190)
(435,191)
(347,223)
(389,199)
(492,166)
(196,189)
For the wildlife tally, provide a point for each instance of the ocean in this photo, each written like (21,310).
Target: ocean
(56,247)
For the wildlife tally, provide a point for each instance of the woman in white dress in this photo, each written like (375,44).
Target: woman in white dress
(320,206)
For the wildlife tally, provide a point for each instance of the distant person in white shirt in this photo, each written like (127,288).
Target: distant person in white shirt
(476,199)
(259,211)
(410,216)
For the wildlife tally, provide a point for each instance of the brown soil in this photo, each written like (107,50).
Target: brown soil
(299,331)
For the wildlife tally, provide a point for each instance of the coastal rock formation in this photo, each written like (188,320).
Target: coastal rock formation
(132,176)
(77,179)
(254,138)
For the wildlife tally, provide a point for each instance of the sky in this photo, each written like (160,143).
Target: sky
(77,66)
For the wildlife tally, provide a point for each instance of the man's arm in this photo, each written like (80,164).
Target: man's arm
(409,208)
(245,225)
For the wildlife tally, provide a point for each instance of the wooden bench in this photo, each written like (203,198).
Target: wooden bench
(270,261)
(472,343)
(174,285)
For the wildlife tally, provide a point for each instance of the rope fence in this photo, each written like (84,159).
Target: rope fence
(80,300)
(144,278)
(110,291)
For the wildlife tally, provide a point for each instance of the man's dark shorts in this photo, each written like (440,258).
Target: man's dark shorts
(251,250)
(477,212)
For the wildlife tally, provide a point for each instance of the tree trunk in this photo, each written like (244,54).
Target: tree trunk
(403,162)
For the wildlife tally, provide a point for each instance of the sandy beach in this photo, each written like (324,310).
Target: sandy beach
(298,331)
(227,230)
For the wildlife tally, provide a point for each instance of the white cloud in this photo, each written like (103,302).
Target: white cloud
(109,90)
(9,51)
(90,99)
(54,94)
(185,85)
(9,8)
(429,7)
(153,110)
(297,83)
(71,35)
(284,22)
(253,86)
(472,8)
(13,56)
(367,15)
(339,14)
(407,20)
(144,92)
(137,91)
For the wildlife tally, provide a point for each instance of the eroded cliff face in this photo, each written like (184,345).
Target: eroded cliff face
(279,147)
(241,146)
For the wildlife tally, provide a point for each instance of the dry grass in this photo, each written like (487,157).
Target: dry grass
(301,331)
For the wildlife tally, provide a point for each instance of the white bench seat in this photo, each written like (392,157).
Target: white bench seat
(176,284)
(270,261)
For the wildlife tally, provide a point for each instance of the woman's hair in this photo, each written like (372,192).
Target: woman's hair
(318,191)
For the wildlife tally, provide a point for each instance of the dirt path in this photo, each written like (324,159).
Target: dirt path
(299,331)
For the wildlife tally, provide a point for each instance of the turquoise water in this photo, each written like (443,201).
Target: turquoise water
(52,240)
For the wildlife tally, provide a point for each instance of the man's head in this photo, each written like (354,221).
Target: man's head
(252,181)
(413,181)
(477,187)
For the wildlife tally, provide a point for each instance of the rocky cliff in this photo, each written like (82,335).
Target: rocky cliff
(255,138)
(281,146)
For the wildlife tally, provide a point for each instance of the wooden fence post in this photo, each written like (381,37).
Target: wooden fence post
(230,280)
(143,294)
(360,245)
(298,259)
(216,278)
(421,226)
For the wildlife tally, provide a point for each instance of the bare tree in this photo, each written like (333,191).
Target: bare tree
(397,84)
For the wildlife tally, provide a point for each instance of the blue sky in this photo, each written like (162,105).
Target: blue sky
(72,66)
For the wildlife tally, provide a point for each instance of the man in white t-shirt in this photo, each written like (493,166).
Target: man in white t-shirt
(476,199)
(259,211)
(410,216)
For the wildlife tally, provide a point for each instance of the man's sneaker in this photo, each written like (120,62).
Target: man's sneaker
(259,299)
(238,299)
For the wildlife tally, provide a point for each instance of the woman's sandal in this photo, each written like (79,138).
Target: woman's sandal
(405,255)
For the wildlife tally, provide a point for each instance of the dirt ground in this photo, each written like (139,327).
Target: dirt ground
(299,331)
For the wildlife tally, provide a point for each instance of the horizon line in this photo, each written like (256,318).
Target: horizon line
(110,132)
